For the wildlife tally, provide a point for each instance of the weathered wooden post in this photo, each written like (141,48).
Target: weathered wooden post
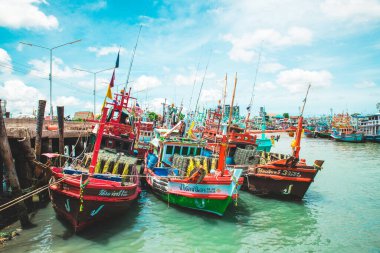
(40,123)
(61,141)
(5,153)
(60,113)
(1,175)
(24,159)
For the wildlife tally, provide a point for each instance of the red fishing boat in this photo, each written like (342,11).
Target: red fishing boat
(100,188)
(289,177)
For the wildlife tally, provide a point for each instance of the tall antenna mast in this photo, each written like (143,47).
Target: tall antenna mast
(249,108)
(195,80)
(224,96)
(203,80)
(232,106)
(131,63)
(304,101)
(297,146)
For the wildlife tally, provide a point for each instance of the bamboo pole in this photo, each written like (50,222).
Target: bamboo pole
(40,123)
(6,154)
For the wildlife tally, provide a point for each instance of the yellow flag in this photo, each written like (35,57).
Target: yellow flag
(109,92)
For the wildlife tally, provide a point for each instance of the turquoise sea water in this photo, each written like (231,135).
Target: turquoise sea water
(340,213)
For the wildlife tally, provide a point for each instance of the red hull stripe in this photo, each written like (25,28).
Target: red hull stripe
(275,177)
(199,196)
(96,198)
(269,166)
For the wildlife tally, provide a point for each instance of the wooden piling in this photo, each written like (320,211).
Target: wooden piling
(40,123)
(1,175)
(60,113)
(26,159)
(5,153)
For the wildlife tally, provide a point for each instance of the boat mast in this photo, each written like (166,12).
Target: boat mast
(195,81)
(232,105)
(224,96)
(200,90)
(297,147)
(98,141)
(253,89)
(131,63)
(225,139)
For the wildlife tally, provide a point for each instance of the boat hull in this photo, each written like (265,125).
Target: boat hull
(98,200)
(323,134)
(348,137)
(281,182)
(68,208)
(372,138)
(211,198)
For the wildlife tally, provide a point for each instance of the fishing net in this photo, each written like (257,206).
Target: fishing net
(186,163)
(246,156)
(111,163)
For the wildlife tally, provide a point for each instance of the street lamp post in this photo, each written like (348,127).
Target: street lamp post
(94,73)
(51,66)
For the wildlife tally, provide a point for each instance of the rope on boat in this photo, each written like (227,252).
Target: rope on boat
(30,194)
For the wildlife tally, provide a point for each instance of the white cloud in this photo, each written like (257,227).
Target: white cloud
(272,67)
(155,105)
(365,85)
(101,83)
(296,80)
(5,59)
(19,96)
(25,14)
(210,95)
(352,10)
(101,4)
(146,82)
(67,101)
(41,68)
(265,86)
(243,47)
(182,80)
(103,51)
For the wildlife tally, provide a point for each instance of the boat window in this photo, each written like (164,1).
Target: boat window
(198,152)
(191,152)
(169,150)
(185,150)
(177,150)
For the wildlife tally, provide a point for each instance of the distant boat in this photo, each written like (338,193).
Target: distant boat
(309,132)
(342,129)
(347,135)
(291,130)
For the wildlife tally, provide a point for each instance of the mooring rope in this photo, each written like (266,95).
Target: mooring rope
(30,194)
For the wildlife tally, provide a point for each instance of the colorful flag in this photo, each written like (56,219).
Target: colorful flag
(112,79)
(117,60)
(109,92)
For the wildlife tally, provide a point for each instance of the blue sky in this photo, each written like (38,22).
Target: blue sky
(333,44)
